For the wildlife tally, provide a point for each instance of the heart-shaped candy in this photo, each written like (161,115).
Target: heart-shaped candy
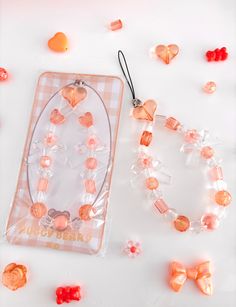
(74,94)
(86,120)
(145,111)
(56,117)
(58,42)
(166,53)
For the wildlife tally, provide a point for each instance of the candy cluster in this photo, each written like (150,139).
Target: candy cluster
(217,55)
(67,294)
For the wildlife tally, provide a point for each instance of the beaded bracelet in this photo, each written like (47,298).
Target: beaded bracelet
(71,95)
(194,141)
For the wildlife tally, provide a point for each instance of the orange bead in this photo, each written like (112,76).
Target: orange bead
(58,42)
(181,223)
(91,163)
(86,212)
(152,183)
(146,138)
(223,198)
(42,185)
(207,152)
(45,161)
(90,186)
(116,25)
(172,123)
(60,222)
(38,210)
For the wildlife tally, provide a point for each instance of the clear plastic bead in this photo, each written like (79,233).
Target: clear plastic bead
(214,162)
(220,185)
(161,120)
(196,226)
(153,195)
(220,211)
(170,215)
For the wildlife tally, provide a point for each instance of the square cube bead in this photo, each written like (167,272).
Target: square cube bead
(146,138)
(42,185)
(216,173)
(172,123)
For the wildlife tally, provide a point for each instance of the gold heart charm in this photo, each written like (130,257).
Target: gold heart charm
(145,111)
(166,53)
(74,94)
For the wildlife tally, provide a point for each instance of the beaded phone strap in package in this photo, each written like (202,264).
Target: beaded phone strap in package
(196,144)
(67,164)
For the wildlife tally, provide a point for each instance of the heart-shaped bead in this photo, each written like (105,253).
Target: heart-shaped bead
(145,111)
(56,117)
(74,94)
(58,42)
(166,53)
(86,120)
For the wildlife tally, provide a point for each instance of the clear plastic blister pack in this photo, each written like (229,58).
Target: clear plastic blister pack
(63,187)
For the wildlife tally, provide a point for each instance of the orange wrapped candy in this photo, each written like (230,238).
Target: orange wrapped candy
(14,276)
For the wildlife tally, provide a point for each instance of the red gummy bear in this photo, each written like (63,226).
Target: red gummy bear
(67,294)
(217,55)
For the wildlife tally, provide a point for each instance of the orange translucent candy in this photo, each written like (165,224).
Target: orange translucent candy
(181,223)
(86,212)
(14,276)
(152,183)
(172,123)
(38,210)
(146,138)
(223,198)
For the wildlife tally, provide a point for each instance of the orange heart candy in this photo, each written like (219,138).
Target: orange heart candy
(86,120)
(145,111)
(166,53)
(58,42)
(56,117)
(74,95)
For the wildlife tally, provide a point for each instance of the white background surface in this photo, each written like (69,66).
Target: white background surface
(196,26)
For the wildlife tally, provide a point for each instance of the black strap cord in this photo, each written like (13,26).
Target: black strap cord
(121,58)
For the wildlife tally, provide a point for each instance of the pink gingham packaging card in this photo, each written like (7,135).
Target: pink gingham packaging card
(64,182)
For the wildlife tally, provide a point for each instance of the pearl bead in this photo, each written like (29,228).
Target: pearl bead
(209,87)
(45,161)
(152,183)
